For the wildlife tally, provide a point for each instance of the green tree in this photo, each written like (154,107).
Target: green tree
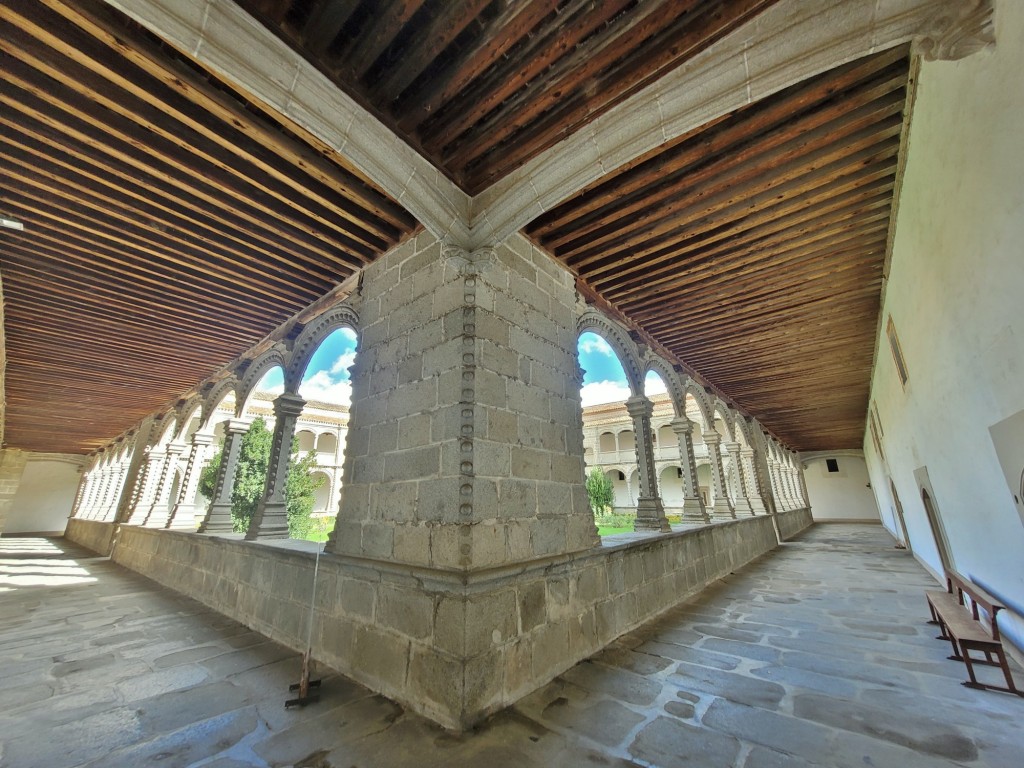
(251,479)
(600,490)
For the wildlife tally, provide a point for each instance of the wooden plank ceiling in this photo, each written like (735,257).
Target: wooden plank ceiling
(753,248)
(481,86)
(169,224)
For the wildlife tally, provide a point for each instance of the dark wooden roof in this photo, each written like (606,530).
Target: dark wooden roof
(753,248)
(481,86)
(169,224)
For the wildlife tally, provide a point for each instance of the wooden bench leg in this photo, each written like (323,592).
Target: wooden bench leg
(1001,663)
(956,650)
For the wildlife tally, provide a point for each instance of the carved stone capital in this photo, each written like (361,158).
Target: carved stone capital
(957,30)
(469,262)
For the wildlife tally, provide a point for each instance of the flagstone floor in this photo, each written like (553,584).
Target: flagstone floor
(815,655)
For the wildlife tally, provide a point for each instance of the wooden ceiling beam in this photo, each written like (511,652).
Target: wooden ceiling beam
(122,149)
(508,30)
(448,20)
(98,101)
(148,195)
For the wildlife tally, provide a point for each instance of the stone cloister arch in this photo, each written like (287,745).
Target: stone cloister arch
(650,512)
(693,509)
(131,479)
(157,467)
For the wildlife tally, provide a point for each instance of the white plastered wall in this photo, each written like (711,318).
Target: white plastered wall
(43,501)
(842,495)
(956,293)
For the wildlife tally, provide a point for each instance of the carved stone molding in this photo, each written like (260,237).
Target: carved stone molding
(469,262)
(957,30)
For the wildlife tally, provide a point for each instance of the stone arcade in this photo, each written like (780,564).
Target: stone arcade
(465,569)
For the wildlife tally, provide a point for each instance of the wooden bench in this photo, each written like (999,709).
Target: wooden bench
(963,626)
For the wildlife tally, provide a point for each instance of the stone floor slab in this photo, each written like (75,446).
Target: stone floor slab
(793,661)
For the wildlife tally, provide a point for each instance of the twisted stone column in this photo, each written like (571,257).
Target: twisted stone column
(650,513)
(742,504)
(693,505)
(183,516)
(270,520)
(757,505)
(722,507)
(218,516)
(92,503)
(160,512)
(151,473)
(111,493)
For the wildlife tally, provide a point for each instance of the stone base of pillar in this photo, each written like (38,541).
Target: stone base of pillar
(742,508)
(183,518)
(757,505)
(650,516)
(694,512)
(218,520)
(157,518)
(721,510)
(269,522)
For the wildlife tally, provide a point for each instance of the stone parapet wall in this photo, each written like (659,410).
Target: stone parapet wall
(94,535)
(793,522)
(452,646)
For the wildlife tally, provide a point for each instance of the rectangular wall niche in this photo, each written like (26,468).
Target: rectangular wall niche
(832,465)
(897,353)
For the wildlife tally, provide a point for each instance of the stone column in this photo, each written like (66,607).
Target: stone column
(803,487)
(794,484)
(773,479)
(134,469)
(148,484)
(693,505)
(183,516)
(650,512)
(788,502)
(270,520)
(757,504)
(741,506)
(92,493)
(722,508)
(108,504)
(218,516)
(159,512)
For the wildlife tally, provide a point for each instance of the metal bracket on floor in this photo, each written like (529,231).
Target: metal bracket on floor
(303,686)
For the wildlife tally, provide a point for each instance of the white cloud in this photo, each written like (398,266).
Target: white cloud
(343,363)
(654,385)
(591,344)
(275,389)
(322,387)
(600,392)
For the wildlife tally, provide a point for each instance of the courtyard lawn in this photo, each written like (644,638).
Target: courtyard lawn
(608,530)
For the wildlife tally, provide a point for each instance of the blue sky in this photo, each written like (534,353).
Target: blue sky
(604,381)
(327,378)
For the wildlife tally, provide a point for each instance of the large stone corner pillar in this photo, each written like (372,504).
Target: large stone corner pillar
(218,516)
(693,504)
(270,520)
(742,506)
(465,449)
(650,512)
(721,509)
(183,516)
